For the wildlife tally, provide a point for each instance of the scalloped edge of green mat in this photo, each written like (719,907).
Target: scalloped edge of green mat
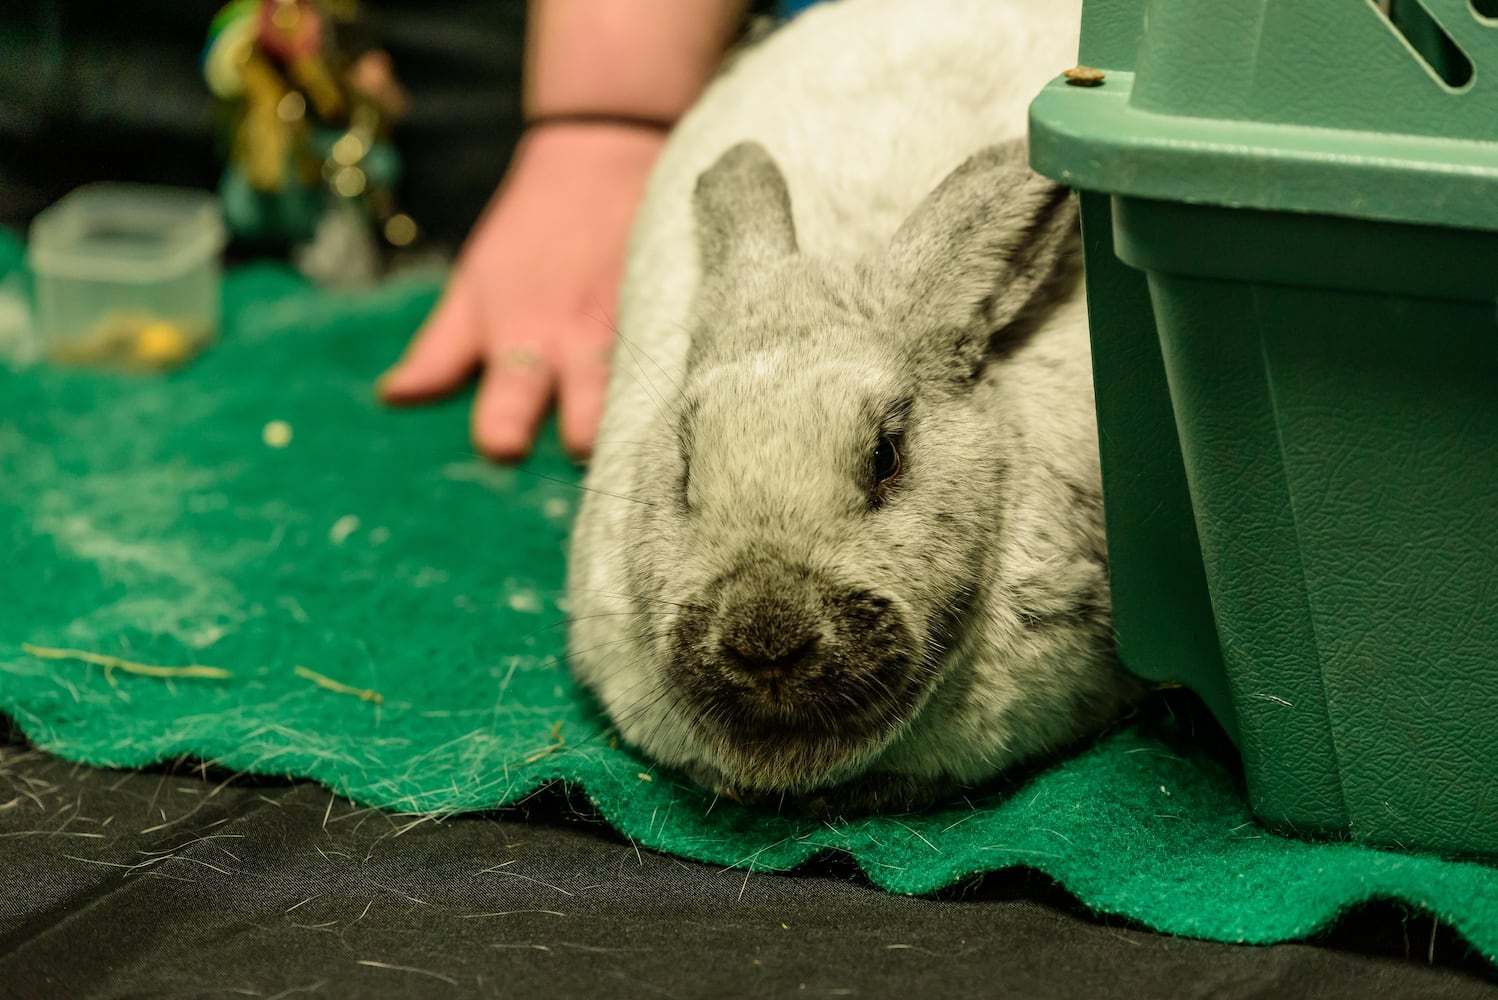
(1095,890)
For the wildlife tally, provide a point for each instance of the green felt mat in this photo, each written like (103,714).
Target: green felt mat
(145,518)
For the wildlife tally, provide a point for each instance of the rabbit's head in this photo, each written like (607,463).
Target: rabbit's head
(824,494)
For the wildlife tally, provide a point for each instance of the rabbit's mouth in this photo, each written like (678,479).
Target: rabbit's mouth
(793,681)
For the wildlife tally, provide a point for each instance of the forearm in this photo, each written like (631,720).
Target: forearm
(646,59)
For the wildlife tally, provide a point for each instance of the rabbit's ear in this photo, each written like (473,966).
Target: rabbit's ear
(743,212)
(984,246)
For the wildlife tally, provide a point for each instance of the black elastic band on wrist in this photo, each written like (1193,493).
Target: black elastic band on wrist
(600,118)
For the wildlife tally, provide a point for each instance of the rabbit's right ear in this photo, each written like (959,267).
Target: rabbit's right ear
(743,212)
(983,247)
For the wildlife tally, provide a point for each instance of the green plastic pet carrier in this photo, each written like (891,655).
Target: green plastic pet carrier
(1290,215)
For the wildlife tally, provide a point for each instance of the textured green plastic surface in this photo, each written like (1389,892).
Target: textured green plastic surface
(1345,470)
(1336,64)
(1311,210)
(1162,614)
(1245,103)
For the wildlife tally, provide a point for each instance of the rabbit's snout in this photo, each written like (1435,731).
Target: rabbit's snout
(769,627)
(791,673)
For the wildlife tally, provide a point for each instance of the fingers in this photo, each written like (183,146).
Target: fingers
(518,381)
(512,399)
(584,382)
(442,356)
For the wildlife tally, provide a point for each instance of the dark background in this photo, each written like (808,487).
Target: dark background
(91,90)
(95,90)
(185,882)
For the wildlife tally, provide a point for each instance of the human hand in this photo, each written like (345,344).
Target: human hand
(533,295)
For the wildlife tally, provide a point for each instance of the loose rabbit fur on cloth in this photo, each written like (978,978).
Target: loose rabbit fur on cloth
(846,548)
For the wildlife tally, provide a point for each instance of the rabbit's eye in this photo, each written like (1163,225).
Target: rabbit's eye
(886,461)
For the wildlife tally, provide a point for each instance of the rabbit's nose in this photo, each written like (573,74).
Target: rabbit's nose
(768,640)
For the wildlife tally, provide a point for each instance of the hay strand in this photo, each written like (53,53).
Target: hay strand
(113,663)
(324,681)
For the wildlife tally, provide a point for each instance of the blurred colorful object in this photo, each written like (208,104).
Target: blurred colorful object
(307,124)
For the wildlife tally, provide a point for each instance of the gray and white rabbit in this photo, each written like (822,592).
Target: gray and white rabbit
(845,547)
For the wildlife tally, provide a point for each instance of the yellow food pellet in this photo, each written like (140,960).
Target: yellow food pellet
(160,343)
(342,528)
(277,434)
(1084,76)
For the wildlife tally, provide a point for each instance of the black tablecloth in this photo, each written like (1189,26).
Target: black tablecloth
(186,882)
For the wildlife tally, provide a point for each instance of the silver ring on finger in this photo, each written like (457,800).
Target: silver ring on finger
(520,357)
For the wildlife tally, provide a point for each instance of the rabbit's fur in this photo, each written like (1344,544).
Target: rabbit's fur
(842,243)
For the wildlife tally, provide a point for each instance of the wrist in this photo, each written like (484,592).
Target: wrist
(566,147)
(628,58)
(600,119)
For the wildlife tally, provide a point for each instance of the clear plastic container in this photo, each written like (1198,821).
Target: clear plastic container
(127,275)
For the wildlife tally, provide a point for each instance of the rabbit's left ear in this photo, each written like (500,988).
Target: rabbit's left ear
(984,245)
(743,212)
